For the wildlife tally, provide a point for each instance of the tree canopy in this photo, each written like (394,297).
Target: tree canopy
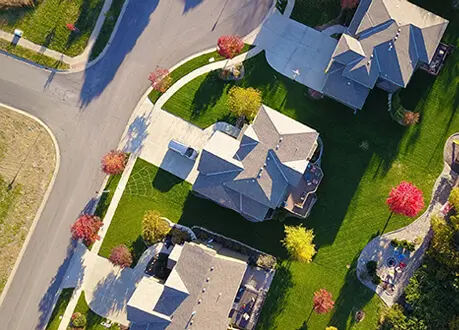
(323,301)
(154,228)
(114,162)
(86,228)
(244,101)
(298,242)
(229,46)
(405,199)
(160,79)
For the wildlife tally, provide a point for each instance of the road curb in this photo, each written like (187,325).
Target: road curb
(43,202)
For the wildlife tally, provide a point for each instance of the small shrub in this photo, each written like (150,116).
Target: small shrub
(179,236)
(404,244)
(265,261)
(410,117)
(121,256)
(78,320)
(454,198)
(371,267)
(154,229)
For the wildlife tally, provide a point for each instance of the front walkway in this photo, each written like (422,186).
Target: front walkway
(107,288)
(380,249)
(292,46)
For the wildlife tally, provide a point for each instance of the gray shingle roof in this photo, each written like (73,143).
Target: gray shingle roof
(273,153)
(394,36)
(345,90)
(167,307)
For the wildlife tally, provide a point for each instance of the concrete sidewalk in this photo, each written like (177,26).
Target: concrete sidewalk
(107,288)
(78,62)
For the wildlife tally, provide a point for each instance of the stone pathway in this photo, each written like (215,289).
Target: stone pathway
(380,249)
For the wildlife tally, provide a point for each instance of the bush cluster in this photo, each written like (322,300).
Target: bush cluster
(78,320)
(256,258)
(404,244)
(372,266)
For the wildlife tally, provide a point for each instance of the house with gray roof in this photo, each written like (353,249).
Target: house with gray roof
(198,293)
(386,41)
(267,167)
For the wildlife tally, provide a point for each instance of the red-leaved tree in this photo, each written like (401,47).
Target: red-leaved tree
(405,199)
(323,302)
(86,228)
(229,46)
(114,162)
(121,256)
(160,79)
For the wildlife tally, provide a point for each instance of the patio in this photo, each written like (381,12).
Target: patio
(302,198)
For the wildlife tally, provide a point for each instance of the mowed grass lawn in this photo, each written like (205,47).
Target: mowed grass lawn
(351,208)
(45,24)
(59,309)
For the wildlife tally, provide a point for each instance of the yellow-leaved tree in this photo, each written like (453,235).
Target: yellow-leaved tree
(298,242)
(244,102)
(331,328)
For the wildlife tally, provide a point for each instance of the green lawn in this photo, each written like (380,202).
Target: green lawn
(315,12)
(45,24)
(28,54)
(93,320)
(351,208)
(190,66)
(59,309)
(107,28)
(107,195)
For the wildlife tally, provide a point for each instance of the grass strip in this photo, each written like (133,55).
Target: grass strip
(30,55)
(59,309)
(46,23)
(106,31)
(192,65)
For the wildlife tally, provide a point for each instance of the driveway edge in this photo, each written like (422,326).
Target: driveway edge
(43,202)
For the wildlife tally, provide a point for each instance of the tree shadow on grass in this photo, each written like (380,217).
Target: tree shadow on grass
(208,93)
(353,296)
(46,303)
(277,296)
(164,181)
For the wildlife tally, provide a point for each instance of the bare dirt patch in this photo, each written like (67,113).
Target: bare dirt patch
(27,162)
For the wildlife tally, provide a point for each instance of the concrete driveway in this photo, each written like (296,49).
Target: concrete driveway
(149,134)
(292,46)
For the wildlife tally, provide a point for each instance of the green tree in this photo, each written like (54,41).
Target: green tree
(244,101)
(154,228)
(298,242)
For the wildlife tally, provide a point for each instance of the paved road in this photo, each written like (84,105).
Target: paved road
(88,112)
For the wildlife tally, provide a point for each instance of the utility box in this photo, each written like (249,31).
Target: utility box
(18,33)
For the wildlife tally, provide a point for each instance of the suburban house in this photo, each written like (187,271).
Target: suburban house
(268,166)
(386,41)
(204,289)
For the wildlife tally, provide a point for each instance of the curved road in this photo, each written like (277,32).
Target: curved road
(88,112)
